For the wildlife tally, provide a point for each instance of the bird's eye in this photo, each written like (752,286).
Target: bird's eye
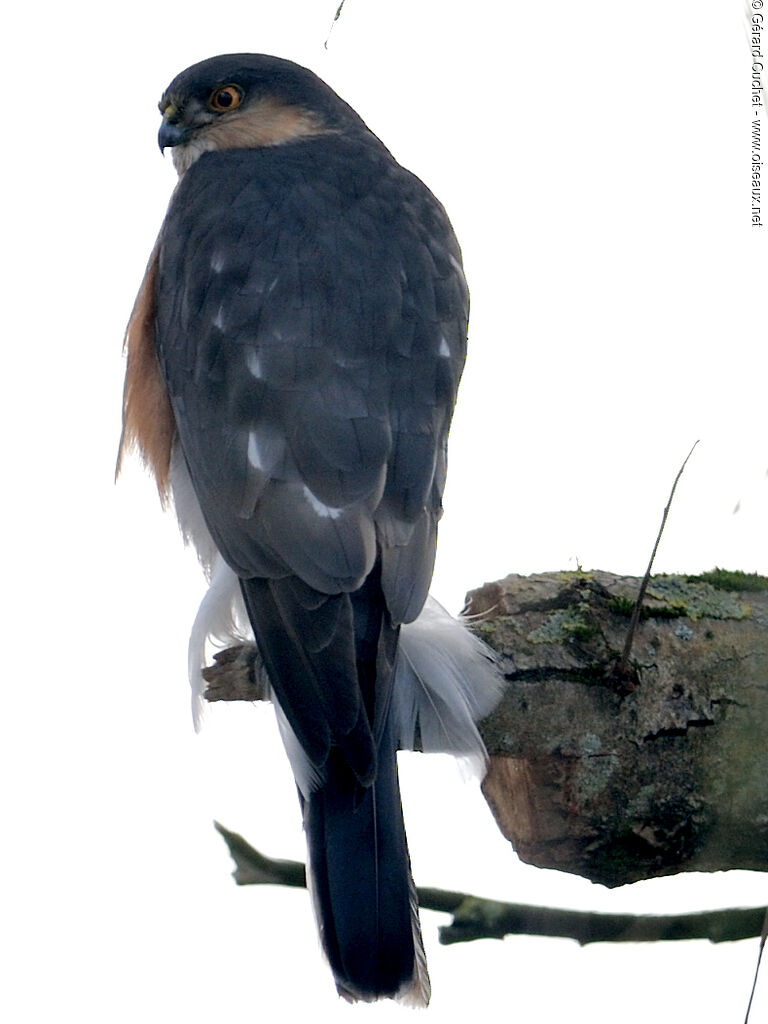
(225,97)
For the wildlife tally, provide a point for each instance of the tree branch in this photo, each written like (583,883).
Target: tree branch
(591,776)
(478,918)
(620,785)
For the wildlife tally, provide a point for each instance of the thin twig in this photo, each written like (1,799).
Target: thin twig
(763,937)
(477,918)
(623,666)
(336,17)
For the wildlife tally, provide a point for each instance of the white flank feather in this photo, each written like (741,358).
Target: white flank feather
(221,621)
(446,680)
(189,514)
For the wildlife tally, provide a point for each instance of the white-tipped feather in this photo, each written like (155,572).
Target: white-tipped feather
(416,995)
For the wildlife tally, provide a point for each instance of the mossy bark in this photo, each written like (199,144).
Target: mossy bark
(621,778)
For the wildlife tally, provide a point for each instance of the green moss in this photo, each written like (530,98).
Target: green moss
(672,610)
(571,575)
(579,630)
(728,579)
(624,606)
(563,625)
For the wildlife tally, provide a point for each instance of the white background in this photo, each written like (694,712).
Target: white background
(594,158)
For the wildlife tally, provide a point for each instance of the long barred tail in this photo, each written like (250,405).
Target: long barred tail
(361,884)
(429,690)
(359,869)
(331,662)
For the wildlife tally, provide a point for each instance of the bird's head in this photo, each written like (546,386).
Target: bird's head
(246,100)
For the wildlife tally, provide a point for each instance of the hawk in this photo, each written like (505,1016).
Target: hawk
(293,358)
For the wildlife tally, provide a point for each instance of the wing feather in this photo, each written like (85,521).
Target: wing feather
(311,327)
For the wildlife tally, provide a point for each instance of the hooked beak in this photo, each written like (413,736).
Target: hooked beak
(171,132)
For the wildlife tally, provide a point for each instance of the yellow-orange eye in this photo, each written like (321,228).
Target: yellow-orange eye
(225,97)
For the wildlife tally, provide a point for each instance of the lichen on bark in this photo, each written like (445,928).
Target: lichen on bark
(619,783)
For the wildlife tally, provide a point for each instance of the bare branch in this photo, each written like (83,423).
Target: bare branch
(477,918)
(616,785)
